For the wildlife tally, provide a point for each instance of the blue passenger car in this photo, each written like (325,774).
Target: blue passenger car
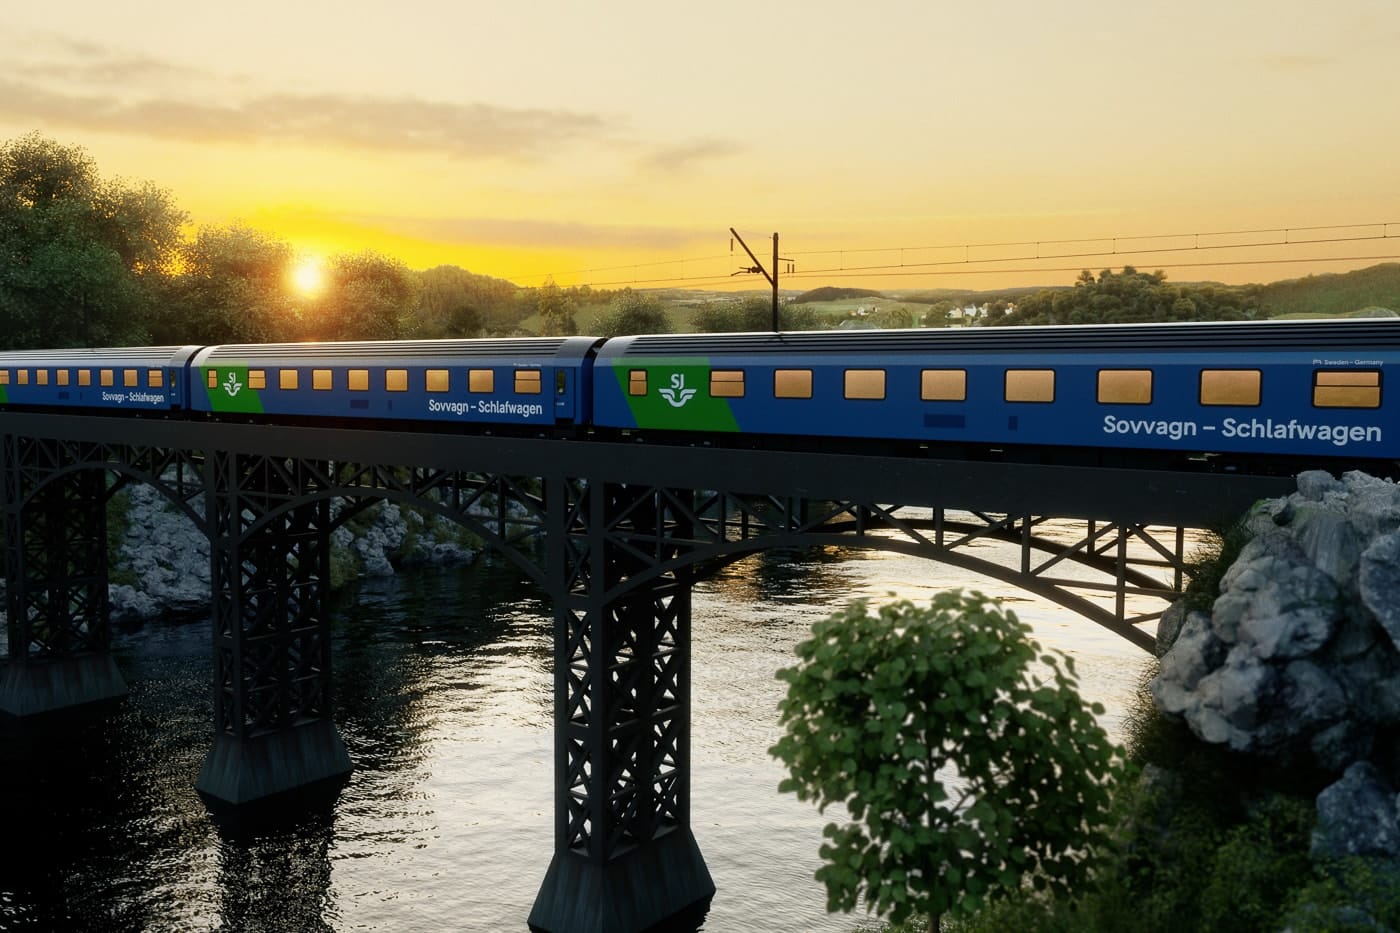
(1314,388)
(124,379)
(526,382)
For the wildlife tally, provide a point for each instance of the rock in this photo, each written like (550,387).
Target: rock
(1314,484)
(1379,583)
(1357,816)
(1169,627)
(1196,652)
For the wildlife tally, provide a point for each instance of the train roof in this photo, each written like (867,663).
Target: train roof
(1212,335)
(382,351)
(93,356)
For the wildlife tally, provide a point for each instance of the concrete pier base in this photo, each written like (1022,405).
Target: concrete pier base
(248,770)
(31,688)
(628,894)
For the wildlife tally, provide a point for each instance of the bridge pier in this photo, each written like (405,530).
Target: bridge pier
(56,587)
(270,551)
(625,858)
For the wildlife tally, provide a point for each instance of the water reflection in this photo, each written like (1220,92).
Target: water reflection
(444,695)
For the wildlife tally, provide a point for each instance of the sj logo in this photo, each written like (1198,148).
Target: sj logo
(677,394)
(232,386)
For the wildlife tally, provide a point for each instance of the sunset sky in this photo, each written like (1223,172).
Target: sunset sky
(565,138)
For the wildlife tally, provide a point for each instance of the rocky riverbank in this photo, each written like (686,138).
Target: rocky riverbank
(1297,663)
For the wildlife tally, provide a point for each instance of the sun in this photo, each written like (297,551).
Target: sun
(308,275)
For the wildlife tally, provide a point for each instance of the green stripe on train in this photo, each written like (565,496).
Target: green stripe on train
(678,395)
(232,393)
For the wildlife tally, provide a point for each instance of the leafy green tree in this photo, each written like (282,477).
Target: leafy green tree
(753,314)
(965,757)
(232,288)
(635,313)
(368,296)
(556,310)
(84,258)
(1131,296)
(453,302)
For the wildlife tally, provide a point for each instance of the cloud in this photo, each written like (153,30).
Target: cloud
(675,159)
(531,233)
(403,124)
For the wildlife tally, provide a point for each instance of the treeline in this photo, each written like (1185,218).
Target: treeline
(88,261)
(1129,297)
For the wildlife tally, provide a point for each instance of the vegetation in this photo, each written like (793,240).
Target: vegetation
(1376,290)
(887,712)
(831,293)
(1132,297)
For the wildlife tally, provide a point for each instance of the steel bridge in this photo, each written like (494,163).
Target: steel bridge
(615,534)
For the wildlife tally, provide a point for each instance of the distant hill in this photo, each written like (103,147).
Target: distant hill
(831,293)
(1366,292)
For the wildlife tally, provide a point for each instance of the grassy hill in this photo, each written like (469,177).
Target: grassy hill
(1366,292)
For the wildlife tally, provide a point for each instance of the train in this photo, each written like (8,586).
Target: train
(1261,393)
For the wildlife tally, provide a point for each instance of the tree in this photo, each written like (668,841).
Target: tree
(887,713)
(83,257)
(232,288)
(635,313)
(368,296)
(556,311)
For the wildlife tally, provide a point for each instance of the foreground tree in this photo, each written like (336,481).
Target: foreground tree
(634,313)
(966,758)
(232,289)
(83,257)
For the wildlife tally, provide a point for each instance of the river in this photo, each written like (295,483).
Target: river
(444,696)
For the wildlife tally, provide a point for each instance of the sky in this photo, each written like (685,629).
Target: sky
(890,144)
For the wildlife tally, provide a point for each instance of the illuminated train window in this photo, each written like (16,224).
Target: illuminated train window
(865,383)
(61,377)
(396,380)
(436,380)
(320,380)
(41,377)
(792,383)
(637,382)
(107,377)
(1125,387)
(4,377)
(155,379)
(1230,387)
(257,379)
(481,380)
(1030,385)
(22,377)
(288,379)
(726,383)
(212,379)
(943,385)
(1356,388)
(84,377)
(357,380)
(527,382)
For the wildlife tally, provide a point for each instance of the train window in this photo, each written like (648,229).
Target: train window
(357,380)
(61,377)
(561,382)
(396,380)
(41,377)
(1352,389)
(155,379)
(481,380)
(792,383)
(288,379)
(727,383)
(437,380)
(1030,385)
(84,377)
(943,385)
(865,383)
(4,377)
(131,378)
(1125,387)
(637,382)
(22,377)
(1230,386)
(527,381)
(320,380)
(211,378)
(107,377)
(257,379)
